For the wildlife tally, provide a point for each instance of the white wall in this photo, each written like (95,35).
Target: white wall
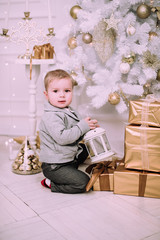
(14,83)
(14,94)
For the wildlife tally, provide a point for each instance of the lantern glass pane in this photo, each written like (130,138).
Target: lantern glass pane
(90,150)
(98,145)
(106,142)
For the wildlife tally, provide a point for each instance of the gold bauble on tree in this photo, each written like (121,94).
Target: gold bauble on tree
(152,35)
(114,98)
(74,10)
(73,74)
(87,38)
(143,11)
(158,75)
(146,88)
(130,58)
(72,42)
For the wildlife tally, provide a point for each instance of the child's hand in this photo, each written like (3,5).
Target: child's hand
(92,123)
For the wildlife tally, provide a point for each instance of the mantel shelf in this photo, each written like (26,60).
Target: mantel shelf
(35,61)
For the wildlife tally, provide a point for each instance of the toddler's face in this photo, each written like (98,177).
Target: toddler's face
(59,92)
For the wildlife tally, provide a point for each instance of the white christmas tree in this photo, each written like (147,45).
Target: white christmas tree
(113,45)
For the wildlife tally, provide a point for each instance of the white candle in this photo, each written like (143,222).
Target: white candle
(49,14)
(7,15)
(26,5)
(6,20)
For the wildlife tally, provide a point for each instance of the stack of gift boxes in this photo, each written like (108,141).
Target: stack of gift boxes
(139,174)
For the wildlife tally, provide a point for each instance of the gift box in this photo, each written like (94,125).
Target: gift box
(102,175)
(45,51)
(142,148)
(144,112)
(136,183)
(37,52)
(105,181)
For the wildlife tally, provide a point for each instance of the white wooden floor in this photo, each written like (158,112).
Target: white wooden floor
(29,211)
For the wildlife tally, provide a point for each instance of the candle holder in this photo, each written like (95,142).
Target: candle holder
(51,32)
(26,14)
(4,32)
(27,32)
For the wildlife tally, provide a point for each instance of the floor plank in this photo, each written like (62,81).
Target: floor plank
(14,206)
(33,228)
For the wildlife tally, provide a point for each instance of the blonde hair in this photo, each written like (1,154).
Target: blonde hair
(56,74)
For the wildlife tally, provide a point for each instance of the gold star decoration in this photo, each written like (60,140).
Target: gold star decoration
(112,22)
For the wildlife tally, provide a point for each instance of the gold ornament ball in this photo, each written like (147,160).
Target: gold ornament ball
(20,161)
(22,167)
(146,88)
(74,10)
(74,75)
(35,166)
(15,166)
(35,160)
(114,98)
(130,58)
(143,11)
(87,38)
(152,35)
(28,168)
(39,164)
(158,75)
(72,43)
(146,85)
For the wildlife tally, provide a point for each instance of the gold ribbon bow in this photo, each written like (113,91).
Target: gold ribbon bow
(98,168)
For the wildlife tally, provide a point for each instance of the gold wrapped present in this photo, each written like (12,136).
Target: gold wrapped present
(37,51)
(45,51)
(142,148)
(102,175)
(105,181)
(144,112)
(136,183)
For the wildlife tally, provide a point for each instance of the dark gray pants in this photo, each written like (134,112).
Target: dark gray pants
(66,178)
